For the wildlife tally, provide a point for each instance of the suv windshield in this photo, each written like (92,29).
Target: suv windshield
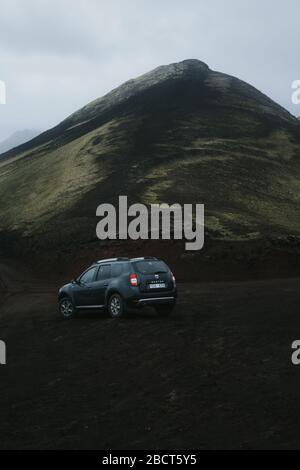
(150,267)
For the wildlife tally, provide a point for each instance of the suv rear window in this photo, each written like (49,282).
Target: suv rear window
(150,267)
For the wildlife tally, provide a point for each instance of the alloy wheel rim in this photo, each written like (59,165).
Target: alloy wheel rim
(115,306)
(66,308)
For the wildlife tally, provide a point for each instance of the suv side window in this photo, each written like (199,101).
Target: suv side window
(104,272)
(116,270)
(88,276)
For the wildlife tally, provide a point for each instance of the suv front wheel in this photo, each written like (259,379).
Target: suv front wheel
(67,308)
(116,306)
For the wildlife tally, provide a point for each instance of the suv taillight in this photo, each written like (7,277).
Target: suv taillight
(173,278)
(133,280)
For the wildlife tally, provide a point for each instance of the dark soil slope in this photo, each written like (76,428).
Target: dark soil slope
(181,133)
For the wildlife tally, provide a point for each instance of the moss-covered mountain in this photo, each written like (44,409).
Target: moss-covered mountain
(180,133)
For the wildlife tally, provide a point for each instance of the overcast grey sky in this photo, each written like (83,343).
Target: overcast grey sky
(57,55)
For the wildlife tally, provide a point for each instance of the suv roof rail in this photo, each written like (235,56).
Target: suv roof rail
(110,260)
(144,258)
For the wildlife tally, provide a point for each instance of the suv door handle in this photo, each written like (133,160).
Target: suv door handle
(105,285)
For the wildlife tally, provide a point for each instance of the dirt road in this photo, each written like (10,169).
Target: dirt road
(217,374)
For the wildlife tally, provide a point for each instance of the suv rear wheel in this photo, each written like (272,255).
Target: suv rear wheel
(164,310)
(67,308)
(116,306)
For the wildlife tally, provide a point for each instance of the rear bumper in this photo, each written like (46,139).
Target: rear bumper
(145,299)
(157,300)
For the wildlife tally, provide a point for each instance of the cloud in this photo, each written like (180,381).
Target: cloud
(58,55)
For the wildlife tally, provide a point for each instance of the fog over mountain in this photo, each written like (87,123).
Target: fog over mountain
(54,64)
(18,138)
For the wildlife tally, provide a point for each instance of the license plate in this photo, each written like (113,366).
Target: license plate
(157,285)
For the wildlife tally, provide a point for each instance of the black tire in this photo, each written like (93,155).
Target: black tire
(67,309)
(164,310)
(116,306)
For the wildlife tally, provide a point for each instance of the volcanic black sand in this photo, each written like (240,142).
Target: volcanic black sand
(216,374)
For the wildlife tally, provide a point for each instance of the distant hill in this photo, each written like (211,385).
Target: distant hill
(17,138)
(180,133)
